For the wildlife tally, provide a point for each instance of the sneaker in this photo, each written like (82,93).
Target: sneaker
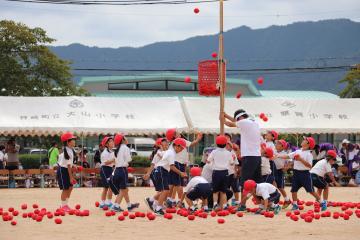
(66,208)
(277,209)
(109,205)
(133,205)
(286,204)
(259,211)
(294,207)
(149,203)
(226,207)
(242,208)
(168,203)
(216,207)
(102,205)
(323,206)
(117,209)
(159,212)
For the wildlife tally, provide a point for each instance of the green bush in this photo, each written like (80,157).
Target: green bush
(197,160)
(31,161)
(138,161)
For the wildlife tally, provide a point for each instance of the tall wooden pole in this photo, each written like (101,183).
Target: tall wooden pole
(221,65)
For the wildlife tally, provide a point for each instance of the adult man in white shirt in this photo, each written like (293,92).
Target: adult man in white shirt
(250,147)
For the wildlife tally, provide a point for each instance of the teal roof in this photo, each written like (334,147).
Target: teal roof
(298,94)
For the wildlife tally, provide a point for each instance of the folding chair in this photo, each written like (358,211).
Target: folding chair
(19,177)
(4,178)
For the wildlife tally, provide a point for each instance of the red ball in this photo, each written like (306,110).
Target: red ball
(288,214)
(309,203)
(221,220)
(10,217)
(260,80)
(346,217)
(214,54)
(132,216)
(196,10)
(297,212)
(121,218)
(105,208)
(240,214)
(24,215)
(151,217)
(79,168)
(348,212)
(24,206)
(108,214)
(300,207)
(73,181)
(39,218)
(72,212)
(126,213)
(271,215)
(265,119)
(137,214)
(168,216)
(58,220)
(317,216)
(317,210)
(35,205)
(77,206)
(49,216)
(5,218)
(11,209)
(308,219)
(191,217)
(294,218)
(262,115)
(238,95)
(336,215)
(13,223)
(187,80)
(97,204)
(15,213)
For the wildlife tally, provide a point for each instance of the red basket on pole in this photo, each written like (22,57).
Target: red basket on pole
(208,78)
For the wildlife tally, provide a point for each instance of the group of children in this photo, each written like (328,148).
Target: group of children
(215,184)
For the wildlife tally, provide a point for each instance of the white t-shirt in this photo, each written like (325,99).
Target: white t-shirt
(106,156)
(352,154)
(193,182)
(270,145)
(64,162)
(123,156)
(250,137)
(321,168)
(265,166)
(220,159)
(279,162)
(2,156)
(207,172)
(167,159)
(157,157)
(306,155)
(264,190)
(183,156)
(233,163)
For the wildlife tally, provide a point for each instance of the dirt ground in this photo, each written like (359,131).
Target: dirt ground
(98,226)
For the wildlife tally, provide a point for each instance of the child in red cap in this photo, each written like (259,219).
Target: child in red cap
(302,164)
(197,188)
(318,172)
(220,160)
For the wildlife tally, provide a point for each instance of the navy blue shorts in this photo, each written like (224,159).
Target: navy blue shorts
(202,190)
(272,167)
(318,181)
(105,174)
(233,183)
(152,176)
(250,169)
(119,180)
(161,179)
(268,178)
(63,178)
(176,179)
(274,197)
(279,178)
(220,180)
(301,179)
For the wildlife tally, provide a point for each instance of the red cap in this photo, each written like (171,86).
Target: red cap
(283,143)
(195,171)
(269,153)
(158,141)
(67,136)
(248,186)
(274,134)
(105,140)
(311,142)
(180,141)
(331,153)
(221,140)
(170,134)
(118,138)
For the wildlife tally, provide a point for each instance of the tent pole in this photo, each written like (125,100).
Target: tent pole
(221,66)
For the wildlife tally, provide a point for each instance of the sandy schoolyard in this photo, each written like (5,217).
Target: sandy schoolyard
(98,226)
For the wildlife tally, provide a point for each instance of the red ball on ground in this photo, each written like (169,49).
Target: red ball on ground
(15,213)
(297,212)
(336,216)
(294,218)
(132,216)
(58,220)
(317,216)
(97,204)
(240,214)
(13,223)
(49,215)
(11,209)
(221,220)
(126,213)
(24,215)
(265,119)
(121,218)
(262,115)
(271,215)
(35,205)
(308,219)
(77,206)
(151,217)
(300,207)
(346,217)
(24,206)
(196,10)
(191,217)
(348,212)
(168,216)
(108,214)
(105,208)
(288,214)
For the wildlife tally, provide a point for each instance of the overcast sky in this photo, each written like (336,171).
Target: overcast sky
(116,26)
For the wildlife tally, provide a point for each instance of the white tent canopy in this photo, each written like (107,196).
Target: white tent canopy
(98,115)
(89,115)
(285,115)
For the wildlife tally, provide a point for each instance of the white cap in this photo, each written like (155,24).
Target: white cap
(345,141)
